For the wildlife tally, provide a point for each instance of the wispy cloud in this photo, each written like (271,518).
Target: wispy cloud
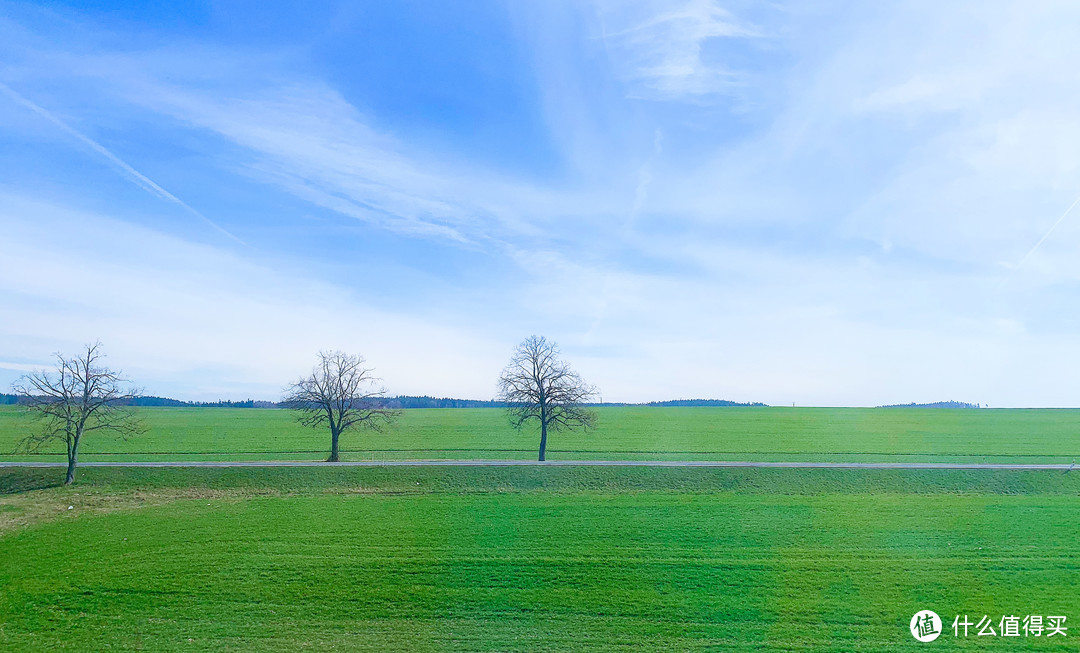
(659,48)
(976,124)
(1049,231)
(309,140)
(843,246)
(19,367)
(201,321)
(137,177)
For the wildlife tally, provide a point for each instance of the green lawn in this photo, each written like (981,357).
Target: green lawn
(530,559)
(624,432)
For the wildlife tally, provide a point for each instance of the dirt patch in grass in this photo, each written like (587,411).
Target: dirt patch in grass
(34,507)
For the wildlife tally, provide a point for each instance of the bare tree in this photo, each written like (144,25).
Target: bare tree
(537,384)
(78,396)
(341,394)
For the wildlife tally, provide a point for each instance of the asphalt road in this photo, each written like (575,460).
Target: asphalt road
(552,463)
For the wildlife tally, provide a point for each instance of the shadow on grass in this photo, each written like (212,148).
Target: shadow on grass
(15,480)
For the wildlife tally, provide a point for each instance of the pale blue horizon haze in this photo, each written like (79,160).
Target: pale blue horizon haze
(819,203)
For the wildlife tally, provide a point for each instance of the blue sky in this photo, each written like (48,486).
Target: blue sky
(823,203)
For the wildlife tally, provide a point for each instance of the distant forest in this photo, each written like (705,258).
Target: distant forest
(8,399)
(936,404)
(388,402)
(701,402)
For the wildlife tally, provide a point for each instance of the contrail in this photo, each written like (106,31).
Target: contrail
(1047,234)
(140,179)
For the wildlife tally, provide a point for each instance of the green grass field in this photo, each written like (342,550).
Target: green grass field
(526,559)
(850,434)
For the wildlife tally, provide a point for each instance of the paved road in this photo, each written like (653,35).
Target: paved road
(550,463)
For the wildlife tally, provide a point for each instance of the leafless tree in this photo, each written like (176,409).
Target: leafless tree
(78,396)
(537,384)
(341,394)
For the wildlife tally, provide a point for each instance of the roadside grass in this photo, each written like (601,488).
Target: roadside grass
(525,559)
(469,480)
(782,434)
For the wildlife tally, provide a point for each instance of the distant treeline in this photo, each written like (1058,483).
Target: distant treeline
(165,401)
(7,399)
(438,402)
(403,401)
(225,403)
(702,402)
(432,402)
(388,402)
(936,404)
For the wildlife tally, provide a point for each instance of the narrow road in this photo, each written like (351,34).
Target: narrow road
(551,463)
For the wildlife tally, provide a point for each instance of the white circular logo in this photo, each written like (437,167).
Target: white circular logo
(925,626)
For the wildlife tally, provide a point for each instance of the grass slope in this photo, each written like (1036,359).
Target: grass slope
(530,559)
(624,432)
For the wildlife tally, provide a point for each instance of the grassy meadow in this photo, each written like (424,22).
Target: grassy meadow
(848,434)
(543,558)
(526,559)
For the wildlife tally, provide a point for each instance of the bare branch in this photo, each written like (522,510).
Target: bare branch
(77,396)
(537,385)
(340,394)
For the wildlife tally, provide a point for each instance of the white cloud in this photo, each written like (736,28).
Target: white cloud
(658,47)
(748,270)
(200,321)
(308,140)
(19,367)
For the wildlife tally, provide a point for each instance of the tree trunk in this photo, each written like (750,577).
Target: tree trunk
(543,439)
(73,457)
(333,446)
